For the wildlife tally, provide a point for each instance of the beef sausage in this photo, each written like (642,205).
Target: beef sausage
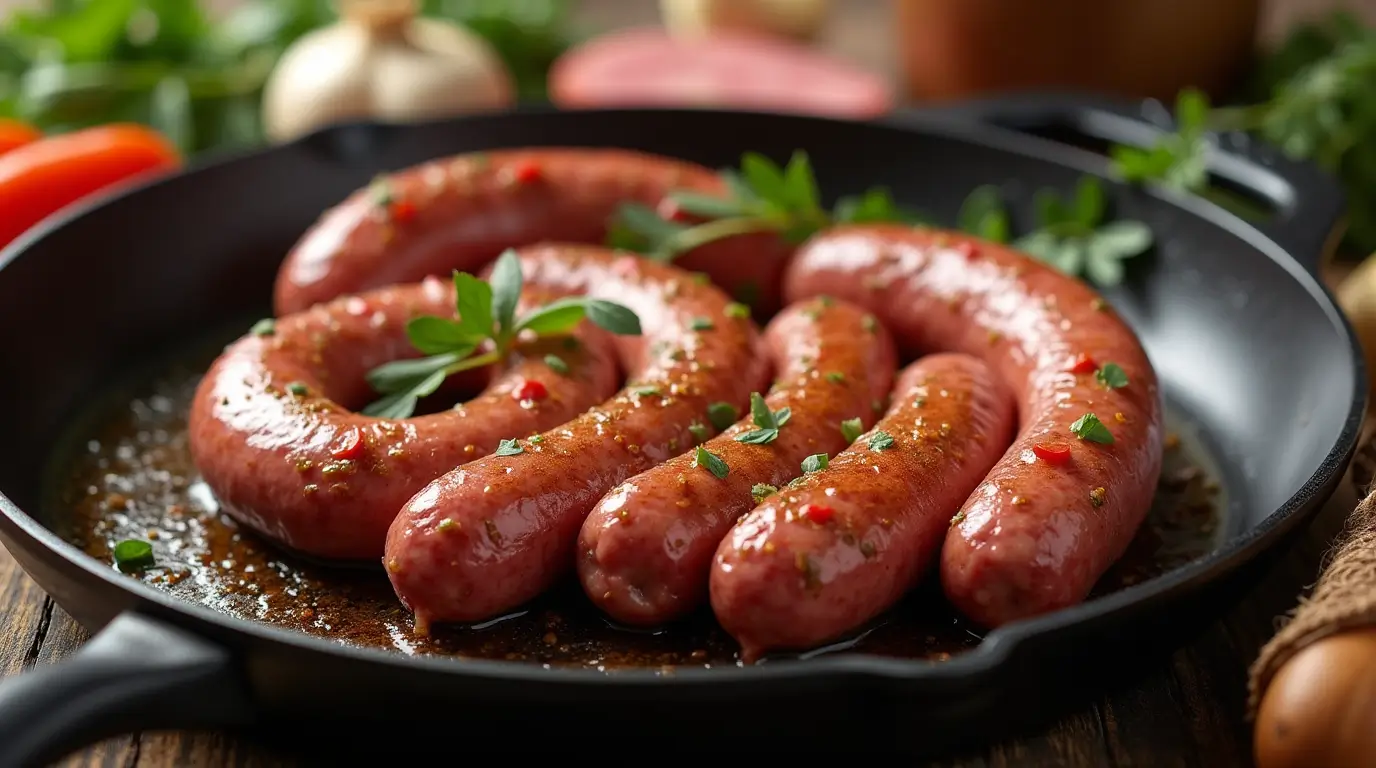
(461,212)
(1065,501)
(272,434)
(840,545)
(645,551)
(492,534)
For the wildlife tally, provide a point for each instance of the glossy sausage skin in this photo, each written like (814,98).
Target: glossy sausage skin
(836,548)
(943,291)
(490,535)
(272,434)
(646,550)
(461,212)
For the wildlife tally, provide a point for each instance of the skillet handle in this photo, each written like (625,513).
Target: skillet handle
(1308,202)
(135,674)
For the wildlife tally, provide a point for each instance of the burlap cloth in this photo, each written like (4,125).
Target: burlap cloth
(1345,595)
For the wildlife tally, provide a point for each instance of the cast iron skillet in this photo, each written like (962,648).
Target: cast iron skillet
(1245,339)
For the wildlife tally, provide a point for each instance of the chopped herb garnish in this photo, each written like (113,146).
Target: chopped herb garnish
(761,491)
(836,377)
(881,441)
(737,310)
(508,448)
(298,388)
(265,327)
(851,429)
(1088,427)
(380,191)
(556,364)
(701,324)
(535,439)
(486,312)
(768,422)
(722,415)
(645,390)
(711,462)
(815,463)
(1112,375)
(869,324)
(133,554)
(699,431)
(1073,238)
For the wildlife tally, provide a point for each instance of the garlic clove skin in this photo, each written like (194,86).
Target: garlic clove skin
(382,63)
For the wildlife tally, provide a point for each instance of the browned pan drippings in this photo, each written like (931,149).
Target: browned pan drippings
(132,477)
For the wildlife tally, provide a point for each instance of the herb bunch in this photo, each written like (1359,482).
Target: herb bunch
(484,333)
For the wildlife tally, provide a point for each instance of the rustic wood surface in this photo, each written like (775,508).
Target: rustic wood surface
(1186,711)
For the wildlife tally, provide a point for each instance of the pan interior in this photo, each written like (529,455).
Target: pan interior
(1258,373)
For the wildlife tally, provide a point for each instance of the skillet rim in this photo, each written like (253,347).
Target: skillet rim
(996,648)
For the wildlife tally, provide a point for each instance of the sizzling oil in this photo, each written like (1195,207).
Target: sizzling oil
(131,477)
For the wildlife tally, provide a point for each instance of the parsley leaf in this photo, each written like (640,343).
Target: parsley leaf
(983,214)
(881,441)
(1088,427)
(1071,239)
(767,421)
(815,463)
(1112,376)
(721,415)
(508,448)
(851,429)
(761,491)
(711,462)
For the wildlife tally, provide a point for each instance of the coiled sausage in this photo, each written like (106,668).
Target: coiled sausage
(271,433)
(1065,501)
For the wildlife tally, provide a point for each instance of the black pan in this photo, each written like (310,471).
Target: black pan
(1247,343)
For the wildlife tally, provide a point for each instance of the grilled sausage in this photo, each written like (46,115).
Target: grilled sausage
(646,550)
(490,535)
(1063,504)
(272,434)
(841,545)
(461,212)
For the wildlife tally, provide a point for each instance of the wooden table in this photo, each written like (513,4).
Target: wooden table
(1187,710)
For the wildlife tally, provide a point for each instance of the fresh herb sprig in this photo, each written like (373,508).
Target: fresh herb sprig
(767,422)
(484,333)
(763,197)
(1073,238)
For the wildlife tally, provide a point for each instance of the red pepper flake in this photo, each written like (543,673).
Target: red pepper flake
(403,211)
(1054,453)
(349,445)
(817,513)
(525,172)
(529,389)
(669,210)
(1084,364)
(967,249)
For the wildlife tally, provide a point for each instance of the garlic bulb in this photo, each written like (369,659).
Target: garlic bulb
(798,19)
(381,61)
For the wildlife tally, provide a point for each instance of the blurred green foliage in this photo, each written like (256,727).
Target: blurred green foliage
(199,80)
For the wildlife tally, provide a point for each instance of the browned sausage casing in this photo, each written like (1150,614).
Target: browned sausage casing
(839,546)
(461,212)
(1035,536)
(494,533)
(646,550)
(272,434)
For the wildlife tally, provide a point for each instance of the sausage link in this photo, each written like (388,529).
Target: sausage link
(461,212)
(646,550)
(839,546)
(1036,535)
(272,434)
(494,533)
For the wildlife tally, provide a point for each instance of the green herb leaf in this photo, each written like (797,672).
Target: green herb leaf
(881,441)
(983,214)
(612,317)
(760,413)
(722,415)
(766,180)
(506,290)
(836,377)
(298,388)
(557,364)
(711,462)
(508,448)
(647,390)
(1089,202)
(133,554)
(782,416)
(265,327)
(473,302)
(403,374)
(401,402)
(1112,376)
(800,184)
(757,436)
(560,316)
(737,311)
(701,324)
(815,463)
(875,205)
(761,491)
(437,335)
(699,431)
(851,429)
(1088,427)
(1123,239)
(709,207)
